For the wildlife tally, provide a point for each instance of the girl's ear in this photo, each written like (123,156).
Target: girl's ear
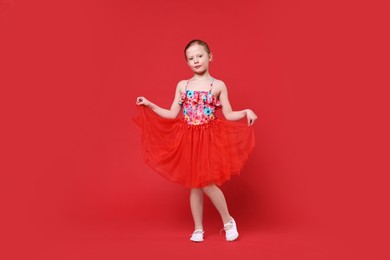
(210,57)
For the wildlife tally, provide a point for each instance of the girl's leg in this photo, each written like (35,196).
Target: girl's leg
(218,199)
(196,202)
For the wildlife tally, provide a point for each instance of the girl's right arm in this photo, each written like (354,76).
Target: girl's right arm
(162,112)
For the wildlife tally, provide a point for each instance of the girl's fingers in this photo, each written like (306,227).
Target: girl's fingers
(139,100)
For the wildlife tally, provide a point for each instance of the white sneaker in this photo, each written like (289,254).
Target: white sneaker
(231,233)
(197,236)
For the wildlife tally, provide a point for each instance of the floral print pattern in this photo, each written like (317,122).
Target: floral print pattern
(198,106)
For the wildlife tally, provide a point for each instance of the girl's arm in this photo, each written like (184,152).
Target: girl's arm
(162,112)
(234,115)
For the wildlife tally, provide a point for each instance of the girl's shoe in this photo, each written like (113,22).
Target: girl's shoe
(231,233)
(197,236)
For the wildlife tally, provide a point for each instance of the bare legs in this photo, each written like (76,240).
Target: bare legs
(217,198)
(196,202)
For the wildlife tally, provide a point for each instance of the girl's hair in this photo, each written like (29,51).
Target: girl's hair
(196,41)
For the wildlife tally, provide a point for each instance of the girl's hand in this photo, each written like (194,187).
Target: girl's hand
(142,101)
(251,116)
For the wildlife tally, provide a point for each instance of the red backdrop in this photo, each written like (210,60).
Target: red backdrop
(315,72)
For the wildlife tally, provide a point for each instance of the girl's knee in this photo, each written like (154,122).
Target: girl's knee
(196,190)
(209,188)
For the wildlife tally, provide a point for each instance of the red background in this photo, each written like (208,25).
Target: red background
(73,181)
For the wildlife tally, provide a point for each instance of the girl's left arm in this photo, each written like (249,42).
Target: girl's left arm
(228,112)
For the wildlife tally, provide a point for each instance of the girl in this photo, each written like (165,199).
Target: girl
(199,151)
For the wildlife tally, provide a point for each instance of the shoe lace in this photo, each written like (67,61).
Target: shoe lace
(225,227)
(197,231)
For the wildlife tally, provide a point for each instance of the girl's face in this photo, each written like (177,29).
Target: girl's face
(198,59)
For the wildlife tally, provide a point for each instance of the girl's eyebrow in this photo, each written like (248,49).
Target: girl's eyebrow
(195,55)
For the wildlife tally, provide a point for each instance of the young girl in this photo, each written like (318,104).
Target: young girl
(199,151)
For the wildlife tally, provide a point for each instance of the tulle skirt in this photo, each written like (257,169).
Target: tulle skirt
(194,155)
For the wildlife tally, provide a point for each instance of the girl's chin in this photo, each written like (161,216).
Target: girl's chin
(199,71)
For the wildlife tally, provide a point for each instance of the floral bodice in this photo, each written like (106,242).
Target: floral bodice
(199,106)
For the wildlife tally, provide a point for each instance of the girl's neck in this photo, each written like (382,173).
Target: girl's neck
(204,76)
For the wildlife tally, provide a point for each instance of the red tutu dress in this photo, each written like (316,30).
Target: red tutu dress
(199,149)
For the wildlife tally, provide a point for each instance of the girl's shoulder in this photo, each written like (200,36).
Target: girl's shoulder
(218,82)
(219,85)
(182,85)
(182,82)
